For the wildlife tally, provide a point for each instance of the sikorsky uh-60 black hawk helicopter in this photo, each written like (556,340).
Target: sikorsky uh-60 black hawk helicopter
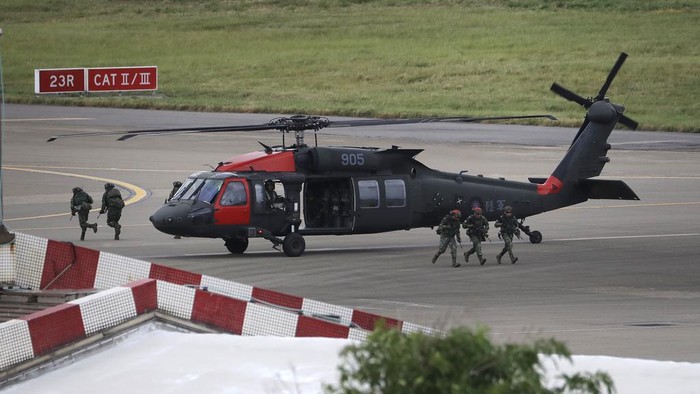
(356,190)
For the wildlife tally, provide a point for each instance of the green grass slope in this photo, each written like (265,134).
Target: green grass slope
(378,58)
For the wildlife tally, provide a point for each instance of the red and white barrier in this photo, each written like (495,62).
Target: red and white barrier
(133,287)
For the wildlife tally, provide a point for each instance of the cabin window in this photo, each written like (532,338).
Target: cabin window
(260,200)
(209,190)
(395,193)
(234,194)
(369,194)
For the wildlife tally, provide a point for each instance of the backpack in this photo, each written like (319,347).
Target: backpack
(117,203)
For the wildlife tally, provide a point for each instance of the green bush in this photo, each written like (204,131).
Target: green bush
(462,361)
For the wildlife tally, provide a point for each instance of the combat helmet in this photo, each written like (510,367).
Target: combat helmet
(77,190)
(456,213)
(109,186)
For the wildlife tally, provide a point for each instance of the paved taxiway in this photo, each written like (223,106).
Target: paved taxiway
(619,278)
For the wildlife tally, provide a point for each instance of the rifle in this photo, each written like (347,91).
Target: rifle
(479,232)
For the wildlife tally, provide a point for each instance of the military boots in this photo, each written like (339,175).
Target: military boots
(466,257)
(435,258)
(454,262)
(513,259)
(82,235)
(94,227)
(117,231)
(482,260)
(498,258)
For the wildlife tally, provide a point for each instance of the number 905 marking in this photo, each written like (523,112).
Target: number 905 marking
(352,159)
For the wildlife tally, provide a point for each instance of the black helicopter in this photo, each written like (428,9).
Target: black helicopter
(285,193)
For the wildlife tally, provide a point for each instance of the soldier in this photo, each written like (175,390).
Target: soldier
(176,187)
(509,226)
(81,203)
(271,196)
(112,203)
(477,229)
(448,230)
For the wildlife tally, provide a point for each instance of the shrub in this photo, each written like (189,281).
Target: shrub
(462,361)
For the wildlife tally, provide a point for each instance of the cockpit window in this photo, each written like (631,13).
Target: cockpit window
(209,190)
(234,194)
(189,189)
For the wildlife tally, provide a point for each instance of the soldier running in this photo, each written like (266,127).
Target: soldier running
(477,229)
(81,203)
(448,230)
(509,226)
(112,203)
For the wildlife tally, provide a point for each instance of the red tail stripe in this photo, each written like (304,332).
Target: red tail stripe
(551,186)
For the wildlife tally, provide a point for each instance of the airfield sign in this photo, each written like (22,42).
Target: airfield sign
(96,79)
(59,80)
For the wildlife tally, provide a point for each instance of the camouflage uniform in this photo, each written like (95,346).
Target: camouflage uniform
(80,203)
(112,203)
(509,227)
(448,230)
(477,229)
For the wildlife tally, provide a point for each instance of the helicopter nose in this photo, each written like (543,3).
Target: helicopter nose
(181,218)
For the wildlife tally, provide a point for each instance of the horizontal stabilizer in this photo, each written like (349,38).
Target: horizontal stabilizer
(607,189)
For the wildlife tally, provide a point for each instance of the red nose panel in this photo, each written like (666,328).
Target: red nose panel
(260,161)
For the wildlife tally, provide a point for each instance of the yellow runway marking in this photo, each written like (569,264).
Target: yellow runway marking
(138,193)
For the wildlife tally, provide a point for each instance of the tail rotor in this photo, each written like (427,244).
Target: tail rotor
(588,102)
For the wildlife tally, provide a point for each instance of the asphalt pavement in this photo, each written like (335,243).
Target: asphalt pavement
(618,278)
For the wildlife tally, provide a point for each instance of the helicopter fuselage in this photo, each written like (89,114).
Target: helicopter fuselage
(333,191)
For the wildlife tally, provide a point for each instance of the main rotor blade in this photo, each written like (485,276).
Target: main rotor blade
(611,76)
(569,95)
(455,119)
(630,123)
(297,123)
(95,133)
(135,133)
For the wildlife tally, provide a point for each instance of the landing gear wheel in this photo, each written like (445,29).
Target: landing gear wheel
(535,237)
(294,245)
(236,245)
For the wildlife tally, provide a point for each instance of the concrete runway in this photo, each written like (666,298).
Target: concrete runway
(610,278)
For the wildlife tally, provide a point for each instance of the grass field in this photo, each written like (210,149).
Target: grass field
(369,58)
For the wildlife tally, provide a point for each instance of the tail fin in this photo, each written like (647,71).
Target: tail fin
(587,154)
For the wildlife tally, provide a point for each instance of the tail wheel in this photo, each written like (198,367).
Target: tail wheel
(294,245)
(236,245)
(535,237)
